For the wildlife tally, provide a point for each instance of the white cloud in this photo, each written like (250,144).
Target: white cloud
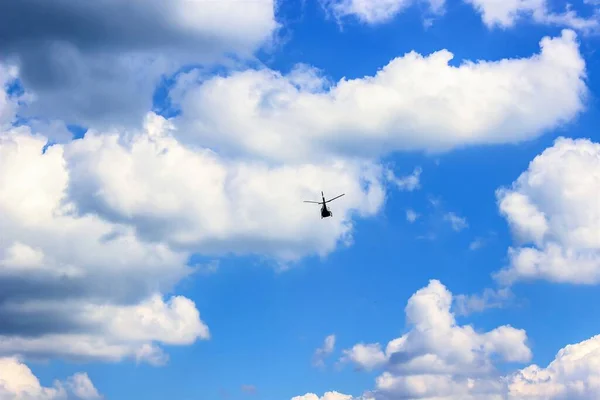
(457,223)
(409,183)
(554,213)
(376,11)
(18,382)
(79,287)
(196,200)
(54,239)
(411,215)
(322,352)
(326,396)
(414,103)
(437,358)
(103,70)
(436,351)
(506,13)
(572,375)
(365,356)
(82,387)
(96,230)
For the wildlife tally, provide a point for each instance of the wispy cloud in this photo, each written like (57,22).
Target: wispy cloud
(490,298)
(250,389)
(411,215)
(458,223)
(207,269)
(409,182)
(481,241)
(323,352)
(477,243)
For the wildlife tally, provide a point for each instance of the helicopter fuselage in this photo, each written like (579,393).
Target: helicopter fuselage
(325,213)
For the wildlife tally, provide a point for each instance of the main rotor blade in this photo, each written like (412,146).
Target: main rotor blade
(335,198)
(314,202)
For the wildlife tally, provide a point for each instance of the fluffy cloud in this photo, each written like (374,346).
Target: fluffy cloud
(96,230)
(326,396)
(72,217)
(438,357)
(554,213)
(506,13)
(90,70)
(194,199)
(573,375)
(414,103)
(18,382)
(74,286)
(376,11)
(365,356)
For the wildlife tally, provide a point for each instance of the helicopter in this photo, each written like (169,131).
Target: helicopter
(324,210)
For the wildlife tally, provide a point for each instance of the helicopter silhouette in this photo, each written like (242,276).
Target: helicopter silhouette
(325,212)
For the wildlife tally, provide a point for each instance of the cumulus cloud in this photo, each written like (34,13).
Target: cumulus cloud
(73,217)
(74,286)
(196,200)
(326,396)
(324,351)
(506,13)
(365,356)
(103,70)
(415,102)
(554,214)
(438,357)
(18,382)
(96,230)
(573,375)
(376,11)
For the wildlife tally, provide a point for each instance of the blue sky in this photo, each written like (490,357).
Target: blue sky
(212,210)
